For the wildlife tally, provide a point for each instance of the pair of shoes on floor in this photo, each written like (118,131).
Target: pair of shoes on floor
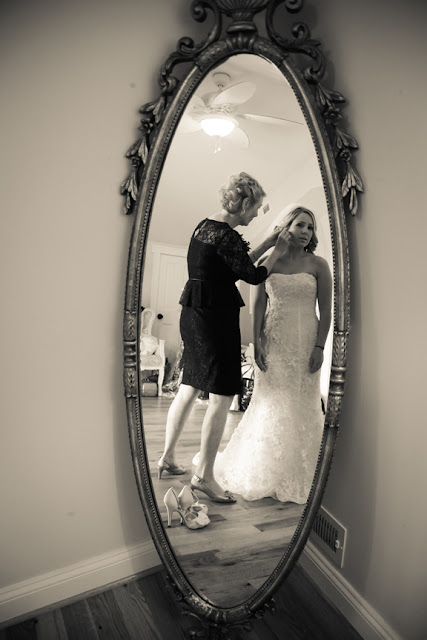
(170,467)
(201,485)
(187,498)
(191,512)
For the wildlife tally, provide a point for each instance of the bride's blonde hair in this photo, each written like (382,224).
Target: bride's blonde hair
(290,217)
(239,187)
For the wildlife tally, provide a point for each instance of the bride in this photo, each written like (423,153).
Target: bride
(274,450)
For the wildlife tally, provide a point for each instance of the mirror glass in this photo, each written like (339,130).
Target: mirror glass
(227,561)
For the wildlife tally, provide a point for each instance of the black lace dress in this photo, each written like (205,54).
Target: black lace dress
(217,258)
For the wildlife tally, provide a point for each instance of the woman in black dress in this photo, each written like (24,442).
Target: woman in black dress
(217,257)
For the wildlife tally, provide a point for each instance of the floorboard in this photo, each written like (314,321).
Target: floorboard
(107,616)
(51,626)
(79,622)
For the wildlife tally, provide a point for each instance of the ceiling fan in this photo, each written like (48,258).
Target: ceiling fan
(218,113)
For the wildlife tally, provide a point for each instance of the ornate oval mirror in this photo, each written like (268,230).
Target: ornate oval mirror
(285,133)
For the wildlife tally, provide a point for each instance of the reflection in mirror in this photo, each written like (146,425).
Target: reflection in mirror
(228,560)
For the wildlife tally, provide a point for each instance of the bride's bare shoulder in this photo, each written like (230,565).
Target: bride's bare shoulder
(320,265)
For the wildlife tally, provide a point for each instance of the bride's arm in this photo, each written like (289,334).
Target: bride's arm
(260,305)
(324,298)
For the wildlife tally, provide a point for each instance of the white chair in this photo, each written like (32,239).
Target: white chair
(152,349)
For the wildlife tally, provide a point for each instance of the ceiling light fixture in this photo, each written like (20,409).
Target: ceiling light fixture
(217,126)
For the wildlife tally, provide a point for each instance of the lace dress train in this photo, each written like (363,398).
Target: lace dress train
(274,450)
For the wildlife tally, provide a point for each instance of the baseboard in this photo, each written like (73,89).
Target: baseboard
(361,615)
(46,590)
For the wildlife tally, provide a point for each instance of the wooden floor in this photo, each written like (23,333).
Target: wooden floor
(231,558)
(145,609)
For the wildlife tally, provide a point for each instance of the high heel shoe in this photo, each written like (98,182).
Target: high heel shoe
(192,519)
(199,484)
(187,498)
(170,467)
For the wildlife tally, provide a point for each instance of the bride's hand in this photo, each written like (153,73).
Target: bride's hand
(260,357)
(316,360)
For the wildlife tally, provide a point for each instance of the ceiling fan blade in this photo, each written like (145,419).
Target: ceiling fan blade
(267,119)
(238,137)
(196,102)
(236,94)
(188,125)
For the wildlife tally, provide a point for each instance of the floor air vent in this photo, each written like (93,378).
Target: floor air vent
(329,535)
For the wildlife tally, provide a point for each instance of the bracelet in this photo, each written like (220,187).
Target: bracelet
(318,345)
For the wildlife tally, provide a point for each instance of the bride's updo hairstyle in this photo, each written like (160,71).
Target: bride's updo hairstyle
(239,187)
(294,213)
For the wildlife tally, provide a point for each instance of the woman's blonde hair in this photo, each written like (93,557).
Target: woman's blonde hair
(290,217)
(239,187)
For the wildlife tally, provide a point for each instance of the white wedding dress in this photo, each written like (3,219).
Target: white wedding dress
(274,450)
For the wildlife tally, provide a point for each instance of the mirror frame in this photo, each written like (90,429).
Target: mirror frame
(341,183)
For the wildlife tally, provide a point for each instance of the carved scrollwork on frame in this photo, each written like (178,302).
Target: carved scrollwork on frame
(242,35)
(216,625)
(223,626)
(327,100)
(337,379)
(129,337)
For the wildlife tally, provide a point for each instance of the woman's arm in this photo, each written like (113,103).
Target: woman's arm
(234,252)
(265,245)
(260,306)
(324,299)
(281,246)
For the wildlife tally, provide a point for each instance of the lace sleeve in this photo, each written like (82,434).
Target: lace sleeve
(233,249)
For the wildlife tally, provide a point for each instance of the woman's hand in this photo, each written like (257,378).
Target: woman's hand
(284,240)
(316,359)
(260,356)
(271,239)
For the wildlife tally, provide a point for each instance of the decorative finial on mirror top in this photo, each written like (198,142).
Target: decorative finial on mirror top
(241,36)
(242,13)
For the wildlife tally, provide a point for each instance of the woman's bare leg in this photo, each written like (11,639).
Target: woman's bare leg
(177,415)
(212,430)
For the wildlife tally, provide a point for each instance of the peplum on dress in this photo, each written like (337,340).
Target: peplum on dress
(209,323)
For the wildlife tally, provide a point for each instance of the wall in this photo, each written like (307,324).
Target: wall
(378,480)
(73,76)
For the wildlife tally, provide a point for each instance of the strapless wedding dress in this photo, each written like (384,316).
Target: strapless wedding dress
(274,450)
